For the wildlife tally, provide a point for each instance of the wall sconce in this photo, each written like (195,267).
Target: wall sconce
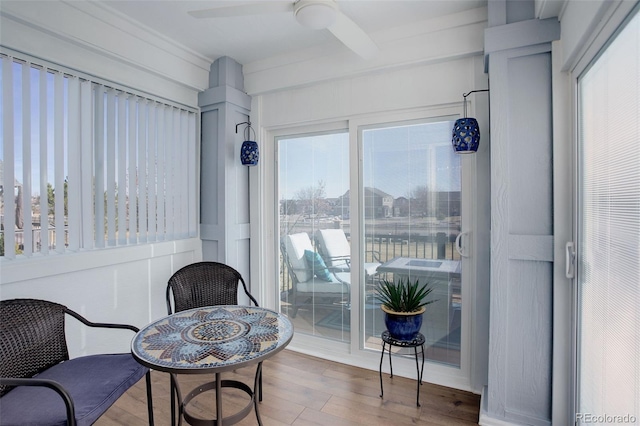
(249,153)
(466,131)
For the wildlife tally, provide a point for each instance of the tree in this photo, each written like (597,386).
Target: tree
(51,199)
(19,218)
(312,199)
(289,207)
(421,200)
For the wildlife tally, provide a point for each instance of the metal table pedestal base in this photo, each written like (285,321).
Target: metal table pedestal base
(218,384)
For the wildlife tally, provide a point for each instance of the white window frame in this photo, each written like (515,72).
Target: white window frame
(352,353)
(611,20)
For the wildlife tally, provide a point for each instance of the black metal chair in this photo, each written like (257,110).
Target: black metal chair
(197,285)
(40,385)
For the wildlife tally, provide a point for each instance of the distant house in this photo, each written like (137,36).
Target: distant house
(377,204)
(401,207)
(335,206)
(448,204)
(439,204)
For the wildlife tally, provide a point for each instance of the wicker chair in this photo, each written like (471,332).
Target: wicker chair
(204,284)
(197,285)
(40,385)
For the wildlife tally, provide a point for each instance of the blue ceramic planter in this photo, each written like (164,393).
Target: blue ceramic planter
(403,326)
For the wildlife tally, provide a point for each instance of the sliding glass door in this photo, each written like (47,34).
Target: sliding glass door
(411,196)
(380,200)
(608,240)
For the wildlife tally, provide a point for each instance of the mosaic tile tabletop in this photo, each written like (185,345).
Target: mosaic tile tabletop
(211,337)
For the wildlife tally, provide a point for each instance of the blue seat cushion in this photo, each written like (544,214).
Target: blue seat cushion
(317,265)
(94,382)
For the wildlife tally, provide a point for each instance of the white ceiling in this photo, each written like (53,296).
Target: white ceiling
(252,38)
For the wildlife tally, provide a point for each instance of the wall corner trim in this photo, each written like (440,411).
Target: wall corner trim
(220,94)
(521,34)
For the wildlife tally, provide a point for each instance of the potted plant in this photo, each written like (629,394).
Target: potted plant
(403,304)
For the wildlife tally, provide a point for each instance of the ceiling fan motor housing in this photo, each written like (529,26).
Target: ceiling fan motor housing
(316,14)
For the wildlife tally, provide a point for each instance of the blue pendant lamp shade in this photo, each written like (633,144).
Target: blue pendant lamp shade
(466,136)
(249,153)
(466,131)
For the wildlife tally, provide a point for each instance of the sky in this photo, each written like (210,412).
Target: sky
(34,102)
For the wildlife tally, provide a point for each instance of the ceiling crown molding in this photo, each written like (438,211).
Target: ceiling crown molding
(101,37)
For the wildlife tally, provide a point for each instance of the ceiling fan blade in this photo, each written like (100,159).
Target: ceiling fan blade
(231,9)
(352,36)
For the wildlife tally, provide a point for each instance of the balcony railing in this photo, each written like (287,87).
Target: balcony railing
(386,246)
(36,239)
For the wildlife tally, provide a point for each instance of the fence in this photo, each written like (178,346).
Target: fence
(36,239)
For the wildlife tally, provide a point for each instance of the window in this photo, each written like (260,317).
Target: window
(87,165)
(313,183)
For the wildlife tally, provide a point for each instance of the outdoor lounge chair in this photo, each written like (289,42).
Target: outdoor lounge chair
(336,251)
(40,385)
(313,282)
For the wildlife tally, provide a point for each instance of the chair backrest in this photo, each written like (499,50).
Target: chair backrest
(204,284)
(32,337)
(294,246)
(333,245)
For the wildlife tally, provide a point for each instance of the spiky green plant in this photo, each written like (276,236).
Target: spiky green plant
(403,296)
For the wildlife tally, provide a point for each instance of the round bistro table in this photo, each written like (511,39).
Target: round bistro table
(417,342)
(214,339)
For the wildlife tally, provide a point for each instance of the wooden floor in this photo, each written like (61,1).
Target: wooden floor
(302,390)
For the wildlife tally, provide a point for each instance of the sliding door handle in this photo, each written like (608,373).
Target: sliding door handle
(570,260)
(461,244)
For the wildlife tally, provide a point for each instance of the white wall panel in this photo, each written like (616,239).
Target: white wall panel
(65,33)
(527,360)
(416,87)
(123,285)
(209,169)
(529,148)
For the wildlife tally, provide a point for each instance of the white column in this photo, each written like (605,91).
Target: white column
(518,51)
(224,216)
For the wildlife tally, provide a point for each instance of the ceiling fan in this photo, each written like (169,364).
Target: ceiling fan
(314,14)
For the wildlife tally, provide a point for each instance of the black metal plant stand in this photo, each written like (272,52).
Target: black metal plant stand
(415,343)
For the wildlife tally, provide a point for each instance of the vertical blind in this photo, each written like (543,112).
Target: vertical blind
(609,234)
(86,165)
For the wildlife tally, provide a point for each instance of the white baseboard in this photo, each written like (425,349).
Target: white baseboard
(485,419)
